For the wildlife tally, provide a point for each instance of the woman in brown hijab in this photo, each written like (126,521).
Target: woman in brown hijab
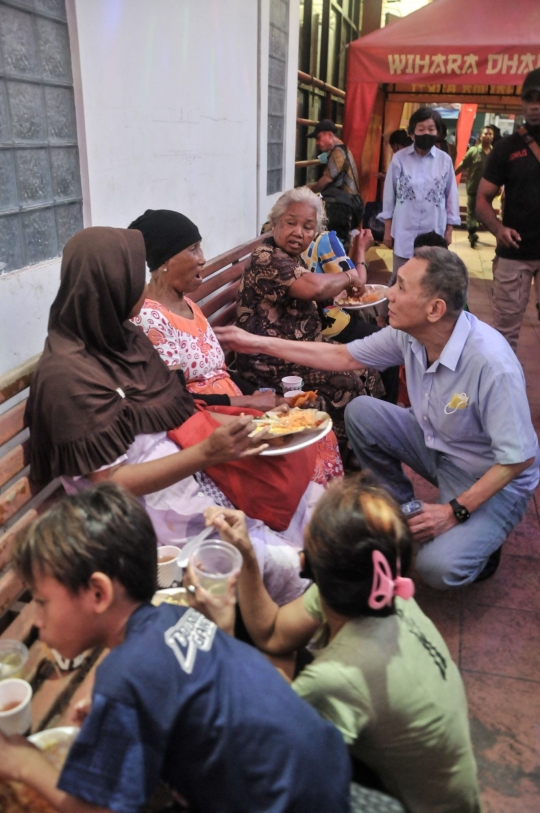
(101,401)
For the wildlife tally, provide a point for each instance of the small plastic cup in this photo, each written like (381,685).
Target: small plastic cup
(15,697)
(214,562)
(168,570)
(291,394)
(291,382)
(13,656)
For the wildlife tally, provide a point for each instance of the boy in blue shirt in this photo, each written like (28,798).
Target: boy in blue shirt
(176,699)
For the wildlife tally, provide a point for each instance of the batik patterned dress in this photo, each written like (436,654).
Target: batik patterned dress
(264,307)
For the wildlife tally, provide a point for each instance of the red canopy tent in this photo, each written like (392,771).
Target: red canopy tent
(474,51)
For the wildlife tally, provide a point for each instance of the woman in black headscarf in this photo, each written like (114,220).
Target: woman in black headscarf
(175,324)
(102,401)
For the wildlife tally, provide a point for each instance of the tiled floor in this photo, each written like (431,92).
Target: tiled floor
(493,628)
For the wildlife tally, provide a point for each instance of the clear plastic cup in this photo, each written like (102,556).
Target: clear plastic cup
(15,697)
(13,656)
(214,562)
(291,382)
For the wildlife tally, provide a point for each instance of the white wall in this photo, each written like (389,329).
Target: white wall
(171,113)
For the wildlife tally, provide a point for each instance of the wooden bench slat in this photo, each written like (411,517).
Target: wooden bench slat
(224,318)
(6,539)
(17,379)
(12,422)
(231,256)
(21,627)
(217,282)
(14,462)
(15,498)
(11,586)
(221,299)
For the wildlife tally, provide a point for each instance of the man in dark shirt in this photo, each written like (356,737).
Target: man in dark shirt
(512,164)
(475,163)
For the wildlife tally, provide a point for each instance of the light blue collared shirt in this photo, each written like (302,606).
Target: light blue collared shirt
(420,195)
(495,426)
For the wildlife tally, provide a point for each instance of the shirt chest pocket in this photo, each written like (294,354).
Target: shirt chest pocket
(457,424)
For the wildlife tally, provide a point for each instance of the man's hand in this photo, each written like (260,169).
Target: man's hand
(507,238)
(219,609)
(232,441)
(433,520)
(448,234)
(234,338)
(231,525)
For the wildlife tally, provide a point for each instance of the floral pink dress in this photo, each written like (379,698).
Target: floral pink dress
(192,345)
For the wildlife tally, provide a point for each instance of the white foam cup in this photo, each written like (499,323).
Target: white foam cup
(291,382)
(16,720)
(291,394)
(168,572)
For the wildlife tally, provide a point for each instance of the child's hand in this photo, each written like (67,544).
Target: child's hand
(219,609)
(81,711)
(14,752)
(231,525)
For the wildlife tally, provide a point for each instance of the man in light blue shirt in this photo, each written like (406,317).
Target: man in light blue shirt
(468,429)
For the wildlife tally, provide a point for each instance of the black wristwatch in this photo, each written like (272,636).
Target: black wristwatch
(460,512)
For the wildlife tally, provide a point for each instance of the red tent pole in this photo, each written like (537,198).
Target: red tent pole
(464,127)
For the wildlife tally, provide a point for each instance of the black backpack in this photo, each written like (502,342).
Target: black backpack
(333,193)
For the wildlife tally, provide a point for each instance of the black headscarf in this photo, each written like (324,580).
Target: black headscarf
(165,233)
(99,381)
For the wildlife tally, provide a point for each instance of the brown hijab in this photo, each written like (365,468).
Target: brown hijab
(99,381)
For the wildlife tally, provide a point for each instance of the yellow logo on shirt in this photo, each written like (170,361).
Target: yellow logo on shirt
(459,400)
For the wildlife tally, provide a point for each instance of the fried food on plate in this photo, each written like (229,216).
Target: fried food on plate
(303,398)
(295,420)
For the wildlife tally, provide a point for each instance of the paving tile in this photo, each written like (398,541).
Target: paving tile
(444,610)
(514,585)
(525,539)
(501,641)
(506,741)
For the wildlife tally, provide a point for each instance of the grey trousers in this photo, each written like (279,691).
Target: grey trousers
(383,437)
(511,289)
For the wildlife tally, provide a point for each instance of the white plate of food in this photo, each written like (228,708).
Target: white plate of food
(55,743)
(171,595)
(374,295)
(301,440)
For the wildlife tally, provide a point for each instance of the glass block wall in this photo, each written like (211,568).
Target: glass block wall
(277,93)
(40,182)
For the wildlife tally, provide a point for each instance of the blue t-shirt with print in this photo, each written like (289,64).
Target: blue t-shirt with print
(181,701)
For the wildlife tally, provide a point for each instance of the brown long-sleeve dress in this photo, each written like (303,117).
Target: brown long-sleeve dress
(265,308)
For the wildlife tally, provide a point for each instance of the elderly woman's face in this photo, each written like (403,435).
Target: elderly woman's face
(296,228)
(184,269)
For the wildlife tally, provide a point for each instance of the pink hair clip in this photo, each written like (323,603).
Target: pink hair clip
(384,587)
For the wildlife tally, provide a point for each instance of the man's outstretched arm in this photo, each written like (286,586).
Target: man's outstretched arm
(319,355)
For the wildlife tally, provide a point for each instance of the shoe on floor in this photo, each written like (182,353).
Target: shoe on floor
(490,568)
(473,239)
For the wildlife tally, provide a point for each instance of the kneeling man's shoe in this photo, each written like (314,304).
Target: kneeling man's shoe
(473,239)
(490,567)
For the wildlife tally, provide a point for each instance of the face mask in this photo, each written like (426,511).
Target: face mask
(323,157)
(425,141)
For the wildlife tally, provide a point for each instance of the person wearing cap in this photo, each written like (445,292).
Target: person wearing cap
(474,162)
(515,164)
(337,157)
(381,671)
